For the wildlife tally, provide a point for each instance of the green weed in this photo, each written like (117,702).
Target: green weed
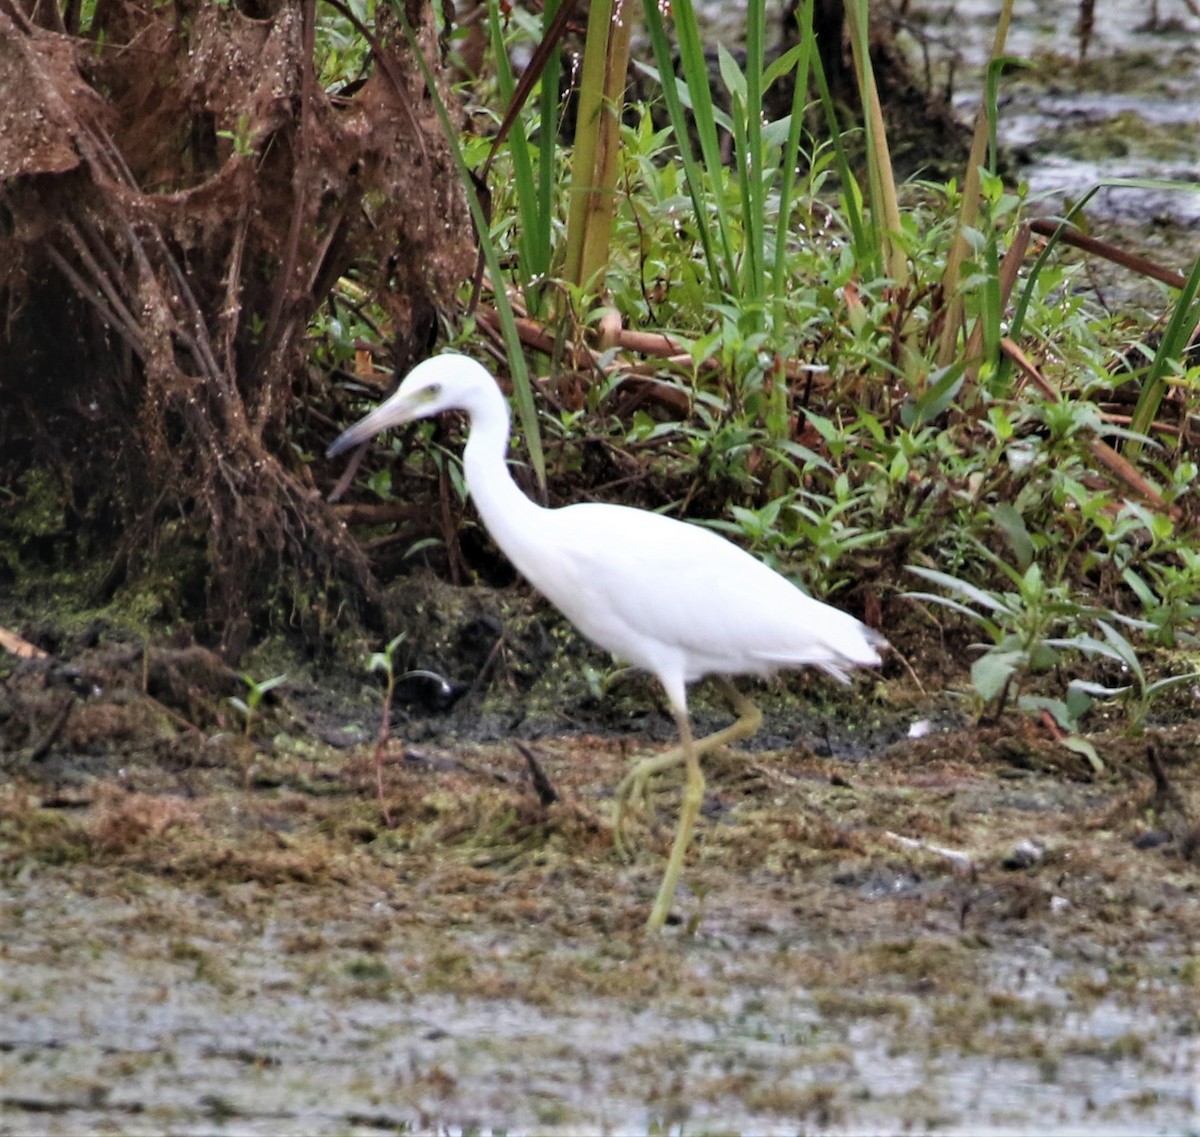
(256,692)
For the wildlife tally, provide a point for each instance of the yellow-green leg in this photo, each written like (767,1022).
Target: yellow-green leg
(693,798)
(631,790)
(633,787)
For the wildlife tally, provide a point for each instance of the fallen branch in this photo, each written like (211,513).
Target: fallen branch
(1069,235)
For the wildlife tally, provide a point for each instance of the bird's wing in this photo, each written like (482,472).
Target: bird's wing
(648,587)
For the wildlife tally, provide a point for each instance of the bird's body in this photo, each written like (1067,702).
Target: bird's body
(677,629)
(665,595)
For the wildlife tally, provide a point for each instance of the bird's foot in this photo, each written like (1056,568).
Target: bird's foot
(631,793)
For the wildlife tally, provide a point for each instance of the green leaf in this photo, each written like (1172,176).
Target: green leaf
(940,393)
(975,595)
(380,483)
(1123,648)
(1079,702)
(731,74)
(955,606)
(1099,690)
(1042,656)
(1089,645)
(1082,746)
(991,673)
(270,684)
(1170,681)
(784,64)
(1012,525)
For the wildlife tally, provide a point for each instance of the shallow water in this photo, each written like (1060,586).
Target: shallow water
(425,982)
(1127,109)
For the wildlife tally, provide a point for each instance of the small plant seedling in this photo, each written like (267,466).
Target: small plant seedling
(1017,621)
(243,145)
(384,661)
(254,697)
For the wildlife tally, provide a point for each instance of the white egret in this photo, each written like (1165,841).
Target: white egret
(667,596)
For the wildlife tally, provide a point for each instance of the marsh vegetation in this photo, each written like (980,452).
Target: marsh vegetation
(954,402)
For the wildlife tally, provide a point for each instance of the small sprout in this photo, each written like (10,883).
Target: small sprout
(254,697)
(384,661)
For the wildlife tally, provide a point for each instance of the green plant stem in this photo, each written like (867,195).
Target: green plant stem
(880,177)
(601,201)
(522,387)
(533,239)
(549,112)
(969,210)
(597,144)
(751,165)
(791,153)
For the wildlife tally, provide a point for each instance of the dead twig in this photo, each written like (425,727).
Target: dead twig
(1069,235)
(542,785)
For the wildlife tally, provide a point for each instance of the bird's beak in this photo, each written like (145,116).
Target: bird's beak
(395,411)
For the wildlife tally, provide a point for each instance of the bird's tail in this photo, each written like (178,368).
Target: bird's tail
(853,645)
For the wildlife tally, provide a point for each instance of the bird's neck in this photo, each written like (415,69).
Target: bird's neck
(508,515)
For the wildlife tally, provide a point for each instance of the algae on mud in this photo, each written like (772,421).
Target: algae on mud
(223,940)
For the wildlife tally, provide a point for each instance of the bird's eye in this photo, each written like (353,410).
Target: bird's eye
(432,391)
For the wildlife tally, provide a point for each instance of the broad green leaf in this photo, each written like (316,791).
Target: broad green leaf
(1012,525)
(1082,746)
(731,74)
(991,673)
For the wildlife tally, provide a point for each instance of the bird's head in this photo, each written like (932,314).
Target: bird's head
(443,383)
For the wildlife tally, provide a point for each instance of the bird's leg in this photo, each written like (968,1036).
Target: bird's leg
(693,798)
(749,717)
(632,788)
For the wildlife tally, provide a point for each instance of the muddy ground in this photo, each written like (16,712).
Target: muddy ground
(202,932)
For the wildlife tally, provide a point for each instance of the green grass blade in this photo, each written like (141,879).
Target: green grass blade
(693,175)
(695,75)
(791,155)
(533,239)
(885,206)
(969,210)
(866,251)
(1182,324)
(750,170)
(522,388)
(550,115)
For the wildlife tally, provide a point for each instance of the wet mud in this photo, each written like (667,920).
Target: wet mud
(207,931)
